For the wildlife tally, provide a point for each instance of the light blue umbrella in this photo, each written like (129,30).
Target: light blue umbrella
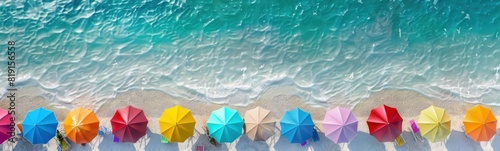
(225,125)
(297,126)
(39,126)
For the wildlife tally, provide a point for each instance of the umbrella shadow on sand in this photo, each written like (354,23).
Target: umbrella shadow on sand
(245,143)
(324,143)
(364,141)
(412,144)
(107,143)
(23,144)
(459,141)
(154,143)
(283,144)
(495,142)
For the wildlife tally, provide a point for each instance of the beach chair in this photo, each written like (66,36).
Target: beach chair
(304,144)
(164,140)
(20,129)
(103,131)
(62,143)
(200,148)
(315,135)
(116,139)
(210,139)
(400,141)
(415,131)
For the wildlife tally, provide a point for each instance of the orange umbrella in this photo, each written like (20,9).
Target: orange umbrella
(480,123)
(81,125)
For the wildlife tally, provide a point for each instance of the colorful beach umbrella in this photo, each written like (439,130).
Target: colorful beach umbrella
(340,125)
(4,125)
(297,126)
(385,123)
(434,124)
(480,123)
(260,124)
(39,126)
(129,124)
(81,125)
(225,125)
(177,124)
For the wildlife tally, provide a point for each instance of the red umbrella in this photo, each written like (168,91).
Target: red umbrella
(385,123)
(129,124)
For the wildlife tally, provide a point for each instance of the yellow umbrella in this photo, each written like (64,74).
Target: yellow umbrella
(480,124)
(177,124)
(81,125)
(434,124)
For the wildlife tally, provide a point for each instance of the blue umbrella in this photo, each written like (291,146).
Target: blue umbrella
(297,126)
(39,126)
(225,125)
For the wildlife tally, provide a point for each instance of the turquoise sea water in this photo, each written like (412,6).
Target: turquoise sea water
(231,51)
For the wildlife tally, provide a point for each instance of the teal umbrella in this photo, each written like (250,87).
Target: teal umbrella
(297,126)
(39,126)
(225,125)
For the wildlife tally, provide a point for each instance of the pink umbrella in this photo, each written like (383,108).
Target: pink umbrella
(4,125)
(340,125)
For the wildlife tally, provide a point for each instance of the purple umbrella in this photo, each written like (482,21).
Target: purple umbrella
(340,125)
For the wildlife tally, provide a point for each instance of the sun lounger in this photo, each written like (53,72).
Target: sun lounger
(399,141)
(200,148)
(415,131)
(116,139)
(103,131)
(20,129)
(164,140)
(304,144)
(62,143)
(315,135)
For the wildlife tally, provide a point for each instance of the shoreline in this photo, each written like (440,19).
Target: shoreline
(408,103)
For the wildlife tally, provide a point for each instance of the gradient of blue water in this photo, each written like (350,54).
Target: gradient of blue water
(231,51)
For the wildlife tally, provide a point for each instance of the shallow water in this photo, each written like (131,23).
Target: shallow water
(226,51)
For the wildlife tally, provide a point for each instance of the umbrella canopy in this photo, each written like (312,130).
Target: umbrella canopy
(81,125)
(297,126)
(260,124)
(434,124)
(340,125)
(177,124)
(225,125)
(4,125)
(129,124)
(480,123)
(39,126)
(385,123)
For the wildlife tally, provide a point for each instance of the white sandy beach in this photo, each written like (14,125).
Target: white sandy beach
(408,103)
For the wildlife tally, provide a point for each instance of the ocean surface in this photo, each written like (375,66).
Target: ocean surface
(232,51)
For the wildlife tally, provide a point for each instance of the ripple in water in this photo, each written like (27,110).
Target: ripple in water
(231,51)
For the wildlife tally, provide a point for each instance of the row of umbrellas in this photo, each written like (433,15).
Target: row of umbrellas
(385,123)
(177,124)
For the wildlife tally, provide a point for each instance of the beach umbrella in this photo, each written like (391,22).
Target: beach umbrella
(434,124)
(81,125)
(480,124)
(225,125)
(340,125)
(177,124)
(4,125)
(385,123)
(39,126)
(260,124)
(297,126)
(129,124)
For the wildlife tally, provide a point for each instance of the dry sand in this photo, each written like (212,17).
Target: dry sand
(408,103)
